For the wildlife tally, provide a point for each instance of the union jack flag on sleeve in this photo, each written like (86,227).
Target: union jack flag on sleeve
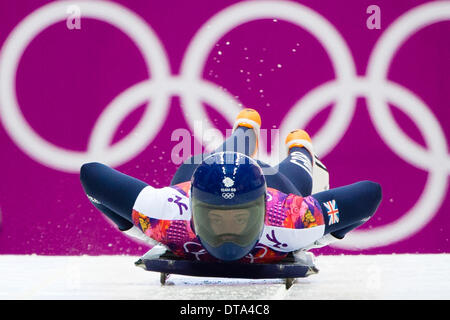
(332,211)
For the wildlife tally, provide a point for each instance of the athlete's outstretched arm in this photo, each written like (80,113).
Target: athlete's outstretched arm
(346,208)
(111,191)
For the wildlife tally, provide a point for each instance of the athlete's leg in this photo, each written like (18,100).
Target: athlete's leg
(348,207)
(187,168)
(276,180)
(111,191)
(298,167)
(242,140)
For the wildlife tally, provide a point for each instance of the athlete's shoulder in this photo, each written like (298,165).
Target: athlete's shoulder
(273,191)
(292,222)
(166,203)
(292,211)
(302,212)
(182,187)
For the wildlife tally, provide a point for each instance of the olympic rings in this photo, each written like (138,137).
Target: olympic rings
(193,90)
(228,195)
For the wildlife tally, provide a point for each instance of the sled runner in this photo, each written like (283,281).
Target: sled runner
(168,264)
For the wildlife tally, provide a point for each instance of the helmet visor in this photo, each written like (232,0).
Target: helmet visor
(239,224)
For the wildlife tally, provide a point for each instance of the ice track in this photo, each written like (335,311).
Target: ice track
(411,276)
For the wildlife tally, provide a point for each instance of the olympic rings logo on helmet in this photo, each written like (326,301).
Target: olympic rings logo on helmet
(193,90)
(228,195)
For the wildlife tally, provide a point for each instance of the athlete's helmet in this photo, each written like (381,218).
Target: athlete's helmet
(228,204)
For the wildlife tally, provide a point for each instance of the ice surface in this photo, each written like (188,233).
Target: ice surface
(115,277)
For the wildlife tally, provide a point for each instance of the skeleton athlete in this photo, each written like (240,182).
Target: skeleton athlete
(229,206)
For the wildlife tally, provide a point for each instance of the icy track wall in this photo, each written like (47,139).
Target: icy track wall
(114,81)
